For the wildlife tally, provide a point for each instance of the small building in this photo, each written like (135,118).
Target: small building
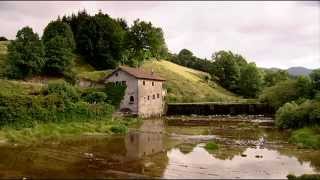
(144,95)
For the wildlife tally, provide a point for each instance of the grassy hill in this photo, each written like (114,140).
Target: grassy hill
(188,85)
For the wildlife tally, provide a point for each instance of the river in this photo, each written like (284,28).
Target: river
(247,149)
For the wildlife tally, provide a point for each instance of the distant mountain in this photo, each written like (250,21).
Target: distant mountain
(297,71)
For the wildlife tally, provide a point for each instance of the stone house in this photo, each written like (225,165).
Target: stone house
(144,95)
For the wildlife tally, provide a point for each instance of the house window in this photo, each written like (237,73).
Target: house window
(116,74)
(148,97)
(153,96)
(131,100)
(143,82)
(123,83)
(152,83)
(158,95)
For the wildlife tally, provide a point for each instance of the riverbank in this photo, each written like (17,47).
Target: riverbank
(54,131)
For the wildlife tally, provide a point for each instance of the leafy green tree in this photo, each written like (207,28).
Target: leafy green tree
(304,87)
(59,28)
(286,91)
(2,38)
(185,57)
(59,57)
(226,69)
(282,92)
(250,82)
(315,77)
(145,41)
(100,41)
(25,54)
(273,77)
(59,44)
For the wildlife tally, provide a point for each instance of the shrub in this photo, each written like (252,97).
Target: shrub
(95,97)
(306,137)
(25,111)
(286,91)
(64,89)
(119,129)
(293,115)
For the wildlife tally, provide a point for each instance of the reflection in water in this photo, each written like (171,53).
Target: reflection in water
(245,151)
(200,164)
(148,140)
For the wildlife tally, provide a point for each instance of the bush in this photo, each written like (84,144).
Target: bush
(306,137)
(64,89)
(25,110)
(286,91)
(119,129)
(95,97)
(293,115)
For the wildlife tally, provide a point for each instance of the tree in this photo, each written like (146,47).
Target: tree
(185,57)
(59,57)
(59,45)
(2,38)
(315,77)
(250,82)
(286,91)
(25,54)
(59,28)
(145,41)
(273,77)
(226,69)
(100,41)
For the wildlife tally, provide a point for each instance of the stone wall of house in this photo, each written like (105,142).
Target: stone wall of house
(132,90)
(150,96)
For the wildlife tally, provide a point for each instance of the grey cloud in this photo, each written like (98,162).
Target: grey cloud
(268,33)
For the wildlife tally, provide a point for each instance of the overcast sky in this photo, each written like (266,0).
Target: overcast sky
(271,34)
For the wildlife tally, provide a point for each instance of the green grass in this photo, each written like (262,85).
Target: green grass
(211,146)
(10,87)
(51,131)
(308,137)
(188,85)
(81,65)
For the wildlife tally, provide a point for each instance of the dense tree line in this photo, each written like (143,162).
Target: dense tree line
(104,43)
(231,70)
(297,101)
(2,38)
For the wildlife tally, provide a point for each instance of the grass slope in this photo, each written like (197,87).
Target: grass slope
(11,87)
(188,85)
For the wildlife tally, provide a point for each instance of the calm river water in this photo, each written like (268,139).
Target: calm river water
(155,149)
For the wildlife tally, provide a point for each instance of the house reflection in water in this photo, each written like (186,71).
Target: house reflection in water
(146,141)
